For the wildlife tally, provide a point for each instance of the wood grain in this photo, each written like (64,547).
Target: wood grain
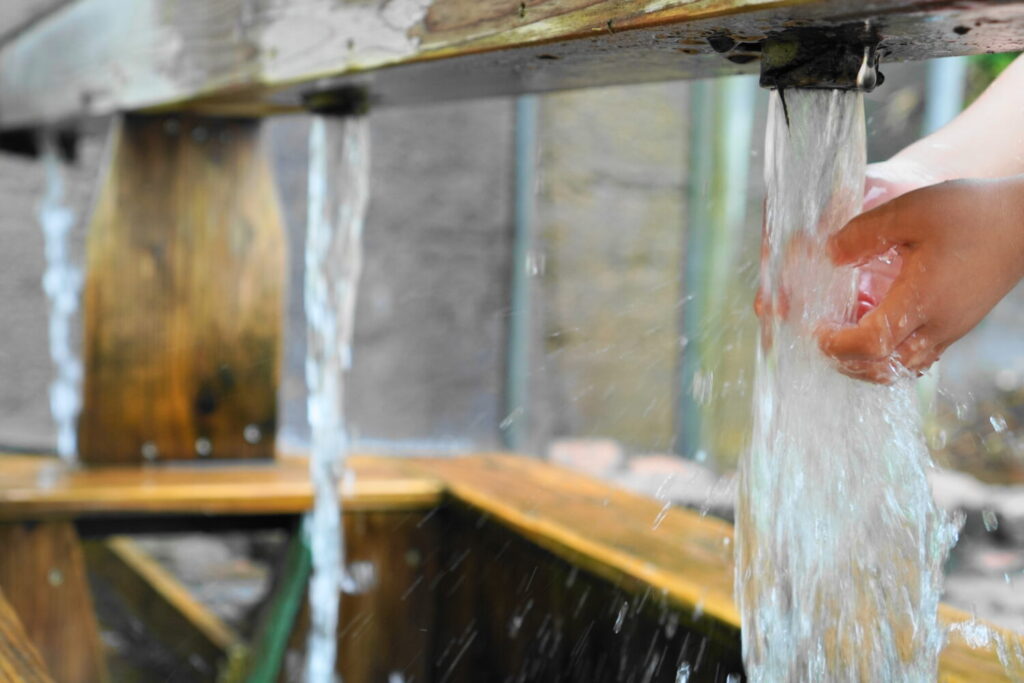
(36,487)
(183,296)
(390,626)
(511,610)
(19,659)
(616,536)
(42,573)
(94,57)
(613,537)
(162,603)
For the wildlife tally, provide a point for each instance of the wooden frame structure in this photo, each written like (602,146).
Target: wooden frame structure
(190,78)
(232,57)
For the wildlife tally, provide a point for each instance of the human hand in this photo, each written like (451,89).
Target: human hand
(962,249)
(883,182)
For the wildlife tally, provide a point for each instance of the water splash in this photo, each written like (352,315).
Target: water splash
(840,544)
(339,191)
(62,283)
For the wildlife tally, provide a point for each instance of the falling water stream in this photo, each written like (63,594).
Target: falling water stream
(62,283)
(840,543)
(339,190)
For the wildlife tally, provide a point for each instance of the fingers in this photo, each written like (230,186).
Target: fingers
(912,358)
(879,332)
(918,352)
(874,232)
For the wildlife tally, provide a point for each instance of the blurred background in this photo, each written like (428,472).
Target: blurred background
(571,276)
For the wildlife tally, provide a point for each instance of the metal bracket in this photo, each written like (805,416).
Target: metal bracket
(836,58)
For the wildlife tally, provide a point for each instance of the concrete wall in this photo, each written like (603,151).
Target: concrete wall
(432,313)
(430,338)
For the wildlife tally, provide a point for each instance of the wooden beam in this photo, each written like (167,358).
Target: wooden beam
(35,487)
(42,573)
(19,658)
(161,602)
(94,57)
(183,298)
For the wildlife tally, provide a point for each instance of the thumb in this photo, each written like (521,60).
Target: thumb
(868,235)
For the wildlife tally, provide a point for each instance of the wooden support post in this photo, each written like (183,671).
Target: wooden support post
(42,573)
(183,295)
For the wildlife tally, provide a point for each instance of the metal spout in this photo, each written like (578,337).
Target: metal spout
(840,58)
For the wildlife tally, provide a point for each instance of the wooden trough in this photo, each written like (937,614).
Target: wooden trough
(487,568)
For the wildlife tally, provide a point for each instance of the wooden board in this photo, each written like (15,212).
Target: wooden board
(390,627)
(511,610)
(183,296)
(628,540)
(37,487)
(625,538)
(158,600)
(94,57)
(19,658)
(619,538)
(42,573)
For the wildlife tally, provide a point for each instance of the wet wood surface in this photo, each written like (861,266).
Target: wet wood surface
(93,57)
(679,559)
(19,659)
(42,573)
(38,487)
(183,297)
(388,625)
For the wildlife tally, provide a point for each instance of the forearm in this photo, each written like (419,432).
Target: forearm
(985,141)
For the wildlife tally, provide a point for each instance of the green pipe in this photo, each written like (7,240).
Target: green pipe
(271,640)
(515,426)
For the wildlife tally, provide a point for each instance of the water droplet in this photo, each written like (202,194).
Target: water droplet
(55,577)
(536,263)
(510,418)
(252,433)
(620,618)
(683,675)
(998,422)
(662,514)
(203,447)
(149,451)
(989,518)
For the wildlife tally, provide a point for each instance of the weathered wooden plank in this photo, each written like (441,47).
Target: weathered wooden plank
(622,537)
(510,610)
(241,57)
(161,602)
(183,296)
(636,544)
(34,487)
(42,573)
(388,627)
(616,537)
(19,658)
